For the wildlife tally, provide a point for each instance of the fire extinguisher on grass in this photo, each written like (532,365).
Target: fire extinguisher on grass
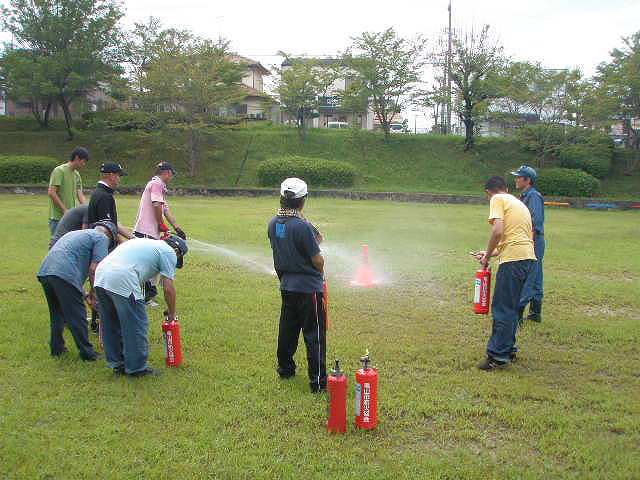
(482,290)
(172,343)
(337,387)
(366,395)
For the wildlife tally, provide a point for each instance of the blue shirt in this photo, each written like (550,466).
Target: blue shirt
(535,203)
(70,257)
(134,262)
(293,242)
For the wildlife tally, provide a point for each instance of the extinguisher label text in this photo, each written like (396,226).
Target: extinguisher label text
(366,402)
(169,346)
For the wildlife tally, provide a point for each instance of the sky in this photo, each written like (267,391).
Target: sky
(557,33)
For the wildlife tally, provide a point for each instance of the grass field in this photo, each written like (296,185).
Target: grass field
(568,409)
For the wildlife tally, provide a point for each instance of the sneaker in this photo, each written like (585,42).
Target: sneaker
(534,317)
(285,374)
(59,352)
(152,303)
(151,372)
(92,358)
(119,371)
(490,363)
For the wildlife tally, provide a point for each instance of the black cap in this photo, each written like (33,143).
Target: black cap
(80,152)
(166,166)
(111,167)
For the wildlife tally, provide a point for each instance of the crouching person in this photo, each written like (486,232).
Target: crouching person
(121,299)
(62,274)
(300,266)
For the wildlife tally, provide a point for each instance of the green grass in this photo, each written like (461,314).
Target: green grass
(568,409)
(404,163)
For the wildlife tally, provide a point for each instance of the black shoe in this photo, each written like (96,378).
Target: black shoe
(285,374)
(151,372)
(59,353)
(92,358)
(118,371)
(513,357)
(490,363)
(535,311)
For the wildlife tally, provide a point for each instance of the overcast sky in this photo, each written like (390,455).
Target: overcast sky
(558,33)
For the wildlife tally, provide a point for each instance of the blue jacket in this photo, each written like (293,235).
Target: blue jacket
(535,203)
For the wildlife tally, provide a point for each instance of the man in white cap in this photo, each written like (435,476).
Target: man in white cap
(300,267)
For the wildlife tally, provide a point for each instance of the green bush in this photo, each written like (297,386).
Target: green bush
(121,121)
(593,159)
(316,172)
(567,183)
(26,169)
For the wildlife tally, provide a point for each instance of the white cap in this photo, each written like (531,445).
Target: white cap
(294,185)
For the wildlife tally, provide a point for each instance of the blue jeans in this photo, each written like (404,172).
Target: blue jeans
(506,307)
(124,329)
(533,290)
(53,224)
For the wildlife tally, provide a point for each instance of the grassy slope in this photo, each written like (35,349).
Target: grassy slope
(567,409)
(404,163)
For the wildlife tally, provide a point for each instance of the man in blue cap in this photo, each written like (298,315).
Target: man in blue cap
(525,181)
(119,280)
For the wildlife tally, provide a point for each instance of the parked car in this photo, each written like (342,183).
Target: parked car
(337,125)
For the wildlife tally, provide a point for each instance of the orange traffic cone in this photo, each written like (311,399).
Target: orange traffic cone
(364,275)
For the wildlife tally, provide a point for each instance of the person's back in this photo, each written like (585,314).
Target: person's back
(133,263)
(293,243)
(72,220)
(517,239)
(71,256)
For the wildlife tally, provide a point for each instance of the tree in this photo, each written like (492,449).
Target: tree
(200,83)
(476,61)
(79,39)
(24,76)
(619,81)
(386,70)
(147,42)
(302,85)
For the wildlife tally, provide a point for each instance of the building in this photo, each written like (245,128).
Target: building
(330,113)
(257,104)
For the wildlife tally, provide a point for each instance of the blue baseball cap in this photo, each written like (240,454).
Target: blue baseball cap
(526,171)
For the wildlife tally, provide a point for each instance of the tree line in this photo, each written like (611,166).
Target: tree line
(67,48)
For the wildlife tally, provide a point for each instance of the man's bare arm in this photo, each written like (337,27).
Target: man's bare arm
(169,296)
(318,262)
(53,195)
(81,196)
(496,234)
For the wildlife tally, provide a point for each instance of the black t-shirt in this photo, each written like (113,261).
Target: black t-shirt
(102,205)
(294,243)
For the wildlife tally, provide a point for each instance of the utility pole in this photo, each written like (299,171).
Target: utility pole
(448,126)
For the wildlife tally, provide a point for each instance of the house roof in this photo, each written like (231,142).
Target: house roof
(250,63)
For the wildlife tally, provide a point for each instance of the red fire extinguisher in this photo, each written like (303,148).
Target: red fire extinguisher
(337,387)
(172,344)
(482,290)
(366,395)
